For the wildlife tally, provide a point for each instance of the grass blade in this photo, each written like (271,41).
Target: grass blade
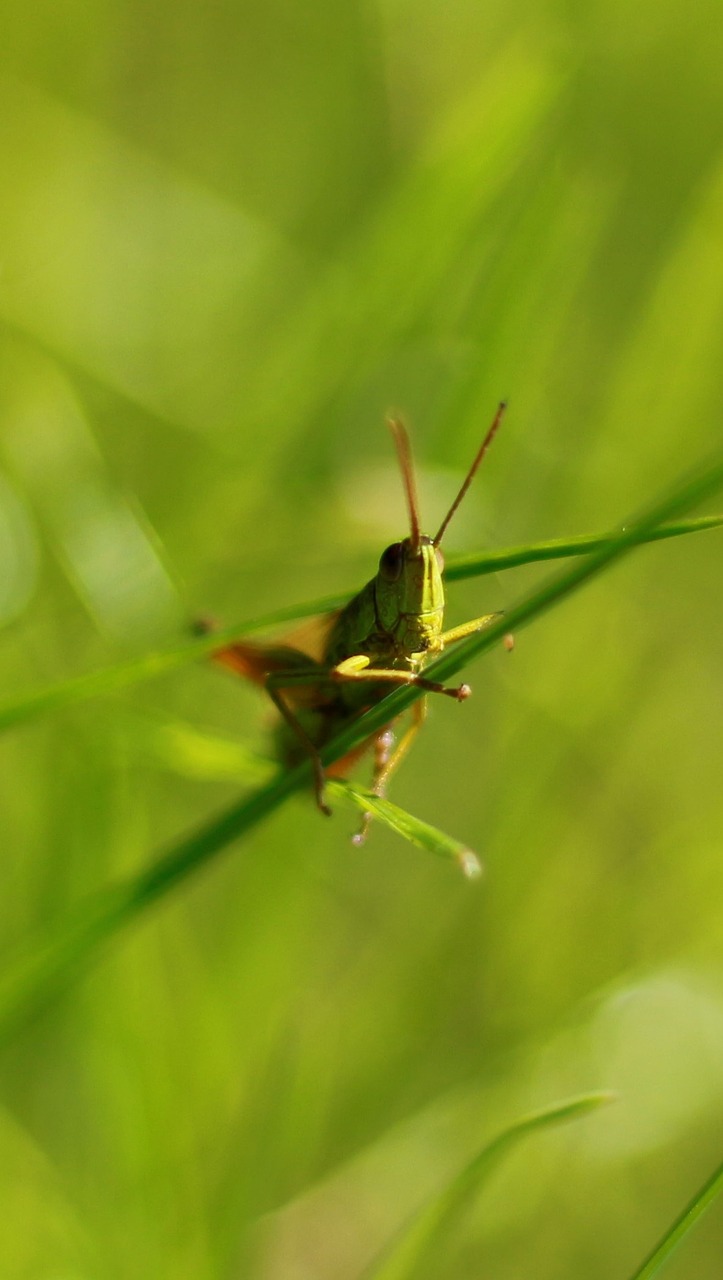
(29,985)
(410,827)
(474,566)
(422,1236)
(680,1228)
(66,693)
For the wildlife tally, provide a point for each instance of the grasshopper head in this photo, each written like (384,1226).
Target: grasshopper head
(409,585)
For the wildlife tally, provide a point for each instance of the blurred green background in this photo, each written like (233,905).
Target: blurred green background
(231,238)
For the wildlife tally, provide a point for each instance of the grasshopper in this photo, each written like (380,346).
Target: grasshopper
(381,639)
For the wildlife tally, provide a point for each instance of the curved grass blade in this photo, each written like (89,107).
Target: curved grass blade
(77,689)
(411,828)
(420,1239)
(27,986)
(680,1228)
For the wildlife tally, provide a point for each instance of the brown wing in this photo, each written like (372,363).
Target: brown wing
(311,636)
(257,661)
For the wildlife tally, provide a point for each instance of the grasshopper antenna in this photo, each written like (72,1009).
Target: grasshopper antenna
(496,422)
(406,464)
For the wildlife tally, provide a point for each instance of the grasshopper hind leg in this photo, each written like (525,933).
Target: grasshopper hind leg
(274,683)
(387,759)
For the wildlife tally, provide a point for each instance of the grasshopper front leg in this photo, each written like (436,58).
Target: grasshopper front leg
(467,629)
(358,668)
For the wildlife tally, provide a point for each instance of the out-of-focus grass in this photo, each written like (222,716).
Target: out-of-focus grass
(232,240)
(679,1229)
(420,1242)
(49,965)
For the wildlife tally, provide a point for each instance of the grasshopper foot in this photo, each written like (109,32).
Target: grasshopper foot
(322,806)
(383,746)
(359,838)
(459,692)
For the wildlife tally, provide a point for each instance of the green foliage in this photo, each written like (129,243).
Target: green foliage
(233,238)
(48,967)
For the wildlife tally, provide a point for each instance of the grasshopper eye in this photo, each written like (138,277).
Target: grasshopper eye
(439,558)
(391,561)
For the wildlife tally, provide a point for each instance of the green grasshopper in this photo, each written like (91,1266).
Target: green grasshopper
(381,639)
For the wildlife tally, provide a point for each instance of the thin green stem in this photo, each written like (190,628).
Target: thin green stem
(681,1226)
(475,565)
